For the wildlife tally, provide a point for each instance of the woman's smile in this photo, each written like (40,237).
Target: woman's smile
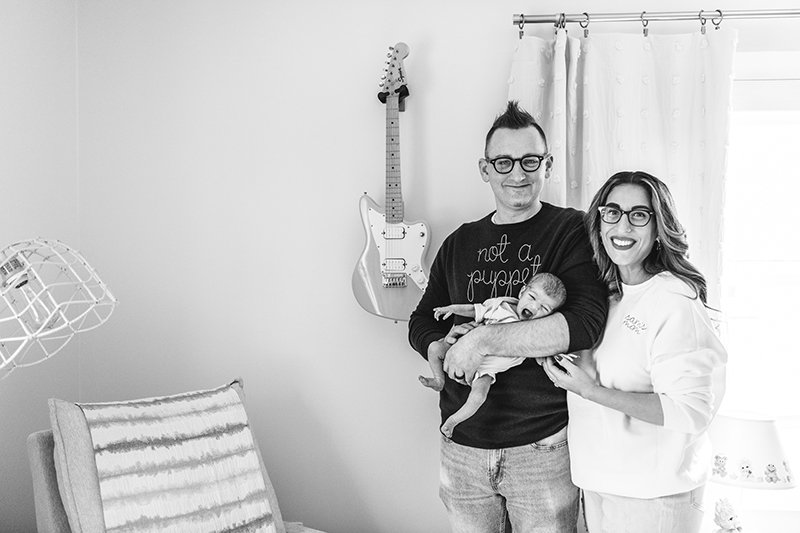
(622,243)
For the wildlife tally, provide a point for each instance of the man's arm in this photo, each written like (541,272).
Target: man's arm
(529,338)
(576,326)
(423,328)
(551,334)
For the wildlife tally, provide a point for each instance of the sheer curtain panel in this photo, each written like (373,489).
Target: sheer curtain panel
(658,103)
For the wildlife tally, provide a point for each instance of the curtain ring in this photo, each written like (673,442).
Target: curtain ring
(522,25)
(716,22)
(645,22)
(585,24)
(561,23)
(702,22)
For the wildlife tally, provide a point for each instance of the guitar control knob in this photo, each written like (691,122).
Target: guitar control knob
(421,233)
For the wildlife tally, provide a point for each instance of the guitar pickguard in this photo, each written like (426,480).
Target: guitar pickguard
(391,274)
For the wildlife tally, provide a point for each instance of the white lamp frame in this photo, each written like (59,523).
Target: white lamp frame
(48,294)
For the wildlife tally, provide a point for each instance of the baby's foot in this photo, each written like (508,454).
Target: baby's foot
(432,383)
(447,429)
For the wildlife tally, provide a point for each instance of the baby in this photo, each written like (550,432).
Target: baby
(543,294)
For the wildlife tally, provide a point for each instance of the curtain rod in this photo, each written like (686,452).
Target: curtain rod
(717,15)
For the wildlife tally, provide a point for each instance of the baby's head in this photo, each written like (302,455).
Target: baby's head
(542,295)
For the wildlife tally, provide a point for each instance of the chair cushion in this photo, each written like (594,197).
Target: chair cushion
(187,462)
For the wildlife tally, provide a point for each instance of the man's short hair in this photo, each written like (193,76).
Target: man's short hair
(514,118)
(551,285)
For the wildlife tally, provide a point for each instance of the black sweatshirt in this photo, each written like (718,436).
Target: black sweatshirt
(483,260)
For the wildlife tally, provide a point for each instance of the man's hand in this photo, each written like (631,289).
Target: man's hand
(464,357)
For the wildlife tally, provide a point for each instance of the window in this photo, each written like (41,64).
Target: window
(761,261)
(761,251)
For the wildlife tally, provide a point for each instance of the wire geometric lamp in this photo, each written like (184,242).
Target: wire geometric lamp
(48,294)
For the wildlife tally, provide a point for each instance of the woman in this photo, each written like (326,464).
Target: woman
(641,402)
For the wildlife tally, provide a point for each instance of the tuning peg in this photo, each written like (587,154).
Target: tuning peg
(380,84)
(383,77)
(389,54)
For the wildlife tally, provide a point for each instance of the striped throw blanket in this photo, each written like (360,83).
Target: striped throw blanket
(184,463)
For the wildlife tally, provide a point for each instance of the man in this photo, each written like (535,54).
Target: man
(510,460)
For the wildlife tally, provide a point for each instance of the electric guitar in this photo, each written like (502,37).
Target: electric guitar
(391,273)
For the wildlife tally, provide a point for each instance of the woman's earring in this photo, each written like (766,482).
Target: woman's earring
(658,244)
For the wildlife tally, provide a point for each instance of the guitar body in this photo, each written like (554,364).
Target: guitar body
(391,274)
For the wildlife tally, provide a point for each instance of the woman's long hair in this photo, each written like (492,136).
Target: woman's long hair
(670,251)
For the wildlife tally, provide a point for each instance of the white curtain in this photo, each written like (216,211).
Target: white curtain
(612,102)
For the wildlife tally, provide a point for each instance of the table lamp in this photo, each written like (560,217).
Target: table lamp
(48,294)
(747,454)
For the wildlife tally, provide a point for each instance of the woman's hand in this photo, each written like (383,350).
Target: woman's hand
(569,376)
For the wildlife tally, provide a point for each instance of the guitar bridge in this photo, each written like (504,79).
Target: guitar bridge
(394,281)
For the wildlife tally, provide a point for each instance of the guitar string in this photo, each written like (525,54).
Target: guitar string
(392,109)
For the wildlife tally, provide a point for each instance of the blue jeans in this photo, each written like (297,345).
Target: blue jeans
(677,513)
(530,486)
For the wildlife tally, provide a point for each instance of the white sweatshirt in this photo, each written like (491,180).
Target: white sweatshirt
(657,339)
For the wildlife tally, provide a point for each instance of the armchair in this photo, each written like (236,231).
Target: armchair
(69,475)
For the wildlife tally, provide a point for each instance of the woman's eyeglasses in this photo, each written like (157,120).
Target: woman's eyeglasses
(638,216)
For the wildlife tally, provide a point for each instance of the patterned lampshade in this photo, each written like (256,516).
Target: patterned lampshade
(748,453)
(48,294)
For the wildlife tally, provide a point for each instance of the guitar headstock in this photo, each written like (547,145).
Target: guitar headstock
(394,79)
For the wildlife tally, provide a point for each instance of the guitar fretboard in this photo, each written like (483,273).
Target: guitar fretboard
(394,193)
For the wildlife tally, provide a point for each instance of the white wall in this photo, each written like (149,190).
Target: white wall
(223,147)
(38,198)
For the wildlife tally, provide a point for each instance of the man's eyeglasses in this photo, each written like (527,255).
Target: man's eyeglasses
(529,163)
(638,216)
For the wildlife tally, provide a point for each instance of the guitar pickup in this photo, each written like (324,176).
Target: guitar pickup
(394,281)
(394,232)
(394,265)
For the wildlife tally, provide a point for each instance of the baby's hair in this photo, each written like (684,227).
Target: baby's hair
(551,285)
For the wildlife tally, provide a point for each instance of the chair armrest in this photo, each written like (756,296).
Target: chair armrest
(50,514)
(298,527)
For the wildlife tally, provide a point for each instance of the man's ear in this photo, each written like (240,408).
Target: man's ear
(483,168)
(548,166)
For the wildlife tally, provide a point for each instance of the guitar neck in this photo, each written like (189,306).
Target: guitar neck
(394,193)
